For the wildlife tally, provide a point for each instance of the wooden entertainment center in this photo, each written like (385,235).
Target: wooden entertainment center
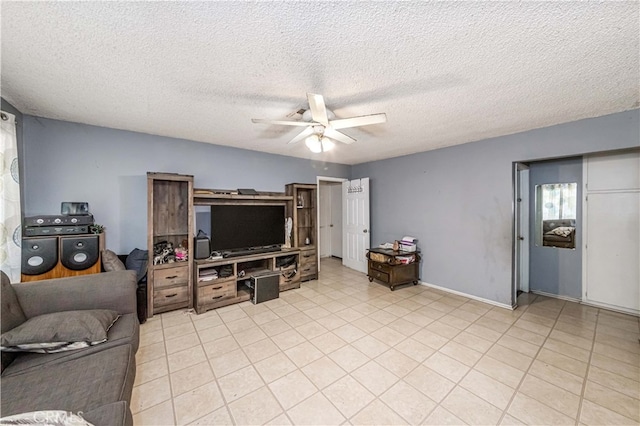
(211,283)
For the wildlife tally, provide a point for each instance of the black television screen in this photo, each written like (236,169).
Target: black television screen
(239,227)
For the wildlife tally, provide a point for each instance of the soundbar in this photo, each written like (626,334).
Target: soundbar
(247,252)
(57,220)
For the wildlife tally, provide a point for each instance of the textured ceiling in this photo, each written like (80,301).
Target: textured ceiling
(445,73)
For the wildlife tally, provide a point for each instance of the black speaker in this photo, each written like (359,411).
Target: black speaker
(79,253)
(39,255)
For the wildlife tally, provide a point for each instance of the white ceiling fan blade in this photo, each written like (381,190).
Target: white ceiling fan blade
(338,136)
(318,109)
(281,122)
(363,120)
(303,135)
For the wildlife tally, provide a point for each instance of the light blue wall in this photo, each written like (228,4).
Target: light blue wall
(67,161)
(556,270)
(458,200)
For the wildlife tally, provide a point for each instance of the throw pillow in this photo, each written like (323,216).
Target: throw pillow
(60,331)
(111,262)
(562,231)
(49,417)
(137,261)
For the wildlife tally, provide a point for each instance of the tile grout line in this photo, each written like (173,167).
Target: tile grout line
(586,374)
(526,373)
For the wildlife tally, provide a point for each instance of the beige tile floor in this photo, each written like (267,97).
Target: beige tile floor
(341,350)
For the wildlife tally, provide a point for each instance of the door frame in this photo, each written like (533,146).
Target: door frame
(318,180)
(519,263)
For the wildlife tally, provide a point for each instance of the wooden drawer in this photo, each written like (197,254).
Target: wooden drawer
(307,256)
(308,269)
(171,295)
(379,276)
(382,267)
(216,291)
(170,277)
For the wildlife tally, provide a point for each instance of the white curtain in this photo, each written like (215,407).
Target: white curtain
(10,214)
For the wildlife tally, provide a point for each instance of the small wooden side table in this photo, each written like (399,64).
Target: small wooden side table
(384,265)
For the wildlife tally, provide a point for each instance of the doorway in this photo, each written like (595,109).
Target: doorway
(329,217)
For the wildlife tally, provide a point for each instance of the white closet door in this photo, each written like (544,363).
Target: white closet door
(613,251)
(612,231)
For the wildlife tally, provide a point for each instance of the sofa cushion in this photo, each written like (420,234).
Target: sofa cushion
(125,331)
(81,384)
(12,314)
(60,331)
(111,262)
(110,290)
(117,413)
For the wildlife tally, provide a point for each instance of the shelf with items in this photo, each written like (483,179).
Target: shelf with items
(169,224)
(304,233)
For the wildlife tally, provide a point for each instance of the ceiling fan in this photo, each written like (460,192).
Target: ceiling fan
(322,125)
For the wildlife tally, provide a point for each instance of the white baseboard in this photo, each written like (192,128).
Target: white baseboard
(470,296)
(555,296)
(611,308)
(589,303)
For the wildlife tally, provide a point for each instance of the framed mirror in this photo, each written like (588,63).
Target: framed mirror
(555,224)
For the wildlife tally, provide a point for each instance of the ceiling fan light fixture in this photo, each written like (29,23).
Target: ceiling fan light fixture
(317,144)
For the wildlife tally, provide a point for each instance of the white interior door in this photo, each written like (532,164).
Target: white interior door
(324,193)
(356,240)
(336,220)
(612,250)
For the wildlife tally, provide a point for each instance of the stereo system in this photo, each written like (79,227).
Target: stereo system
(56,220)
(36,226)
(60,256)
(36,231)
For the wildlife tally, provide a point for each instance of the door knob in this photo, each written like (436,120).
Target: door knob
(365,231)
(520,237)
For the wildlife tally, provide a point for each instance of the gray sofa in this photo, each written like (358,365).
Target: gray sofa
(95,382)
(559,233)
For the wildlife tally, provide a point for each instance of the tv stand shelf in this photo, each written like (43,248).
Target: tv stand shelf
(222,291)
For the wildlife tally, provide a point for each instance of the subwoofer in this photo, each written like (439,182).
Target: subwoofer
(79,252)
(39,255)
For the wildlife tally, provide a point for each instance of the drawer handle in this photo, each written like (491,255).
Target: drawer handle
(172,277)
(217,297)
(306,255)
(217,288)
(171,295)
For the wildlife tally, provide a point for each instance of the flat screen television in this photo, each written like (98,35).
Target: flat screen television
(236,227)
